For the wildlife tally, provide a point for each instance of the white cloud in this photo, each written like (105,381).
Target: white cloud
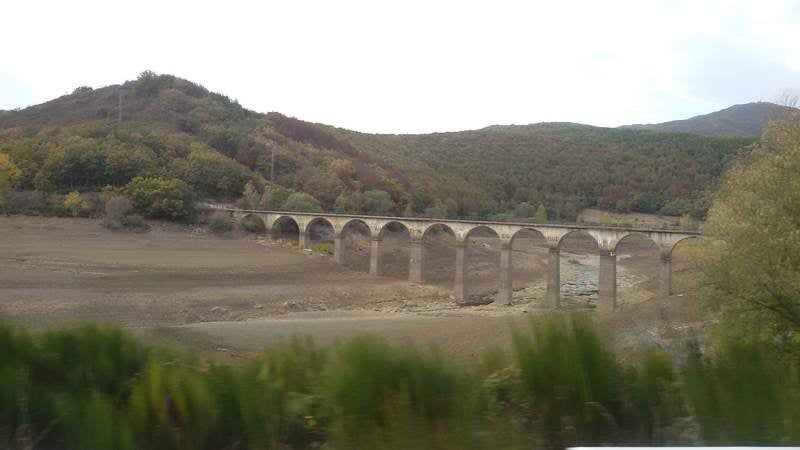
(419,66)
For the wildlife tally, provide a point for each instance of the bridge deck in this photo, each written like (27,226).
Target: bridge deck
(466,221)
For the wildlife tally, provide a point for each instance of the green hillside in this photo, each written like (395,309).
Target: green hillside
(165,127)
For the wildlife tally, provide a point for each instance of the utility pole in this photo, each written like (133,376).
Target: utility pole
(271,173)
(119,107)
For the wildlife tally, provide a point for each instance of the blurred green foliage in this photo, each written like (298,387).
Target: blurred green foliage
(93,387)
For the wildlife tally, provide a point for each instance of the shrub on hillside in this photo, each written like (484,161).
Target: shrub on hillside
(378,202)
(118,214)
(274,198)
(27,202)
(348,203)
(301,202)
(251,195)
(161,198)
(9,173)
(211,173)
(116,209)
(135,222)
(220,223)
(253,224)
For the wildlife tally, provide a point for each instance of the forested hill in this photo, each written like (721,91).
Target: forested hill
(748,119)
(568,166)
(172,128)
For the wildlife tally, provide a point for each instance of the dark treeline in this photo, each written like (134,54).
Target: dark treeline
(168,128)
(97,388)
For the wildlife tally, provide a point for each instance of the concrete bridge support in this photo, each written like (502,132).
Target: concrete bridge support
(302,240)
(338,248)
(375,260)
(666,274)
(461,268)
(506,274)
(415,263)
(607,283)
(553,293)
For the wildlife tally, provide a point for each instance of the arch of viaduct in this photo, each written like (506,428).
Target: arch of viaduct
(606,238)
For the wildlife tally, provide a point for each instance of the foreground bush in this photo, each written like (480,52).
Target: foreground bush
(744,394)
(579,394)
(97,388)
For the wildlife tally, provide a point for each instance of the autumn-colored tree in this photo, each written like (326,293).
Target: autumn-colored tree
(9,173)
(753,263)
(74,203)
(324,186)
(343,169)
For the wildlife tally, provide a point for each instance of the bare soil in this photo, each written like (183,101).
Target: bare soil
(229,296)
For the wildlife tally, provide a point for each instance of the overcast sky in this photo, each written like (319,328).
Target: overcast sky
(409,66)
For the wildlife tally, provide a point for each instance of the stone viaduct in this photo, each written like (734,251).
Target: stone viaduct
(606,238)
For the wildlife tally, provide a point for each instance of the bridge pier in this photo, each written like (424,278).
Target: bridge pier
(302,240)
(338,248)
(666,274)
(461,266)
(607,283)
(506,274)
(375,257)
(415,263)
(553,294)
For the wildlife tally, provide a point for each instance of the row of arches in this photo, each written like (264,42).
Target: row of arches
(472,231)
(479,264)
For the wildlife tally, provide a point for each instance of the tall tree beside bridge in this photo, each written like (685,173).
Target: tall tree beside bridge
(754,268)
